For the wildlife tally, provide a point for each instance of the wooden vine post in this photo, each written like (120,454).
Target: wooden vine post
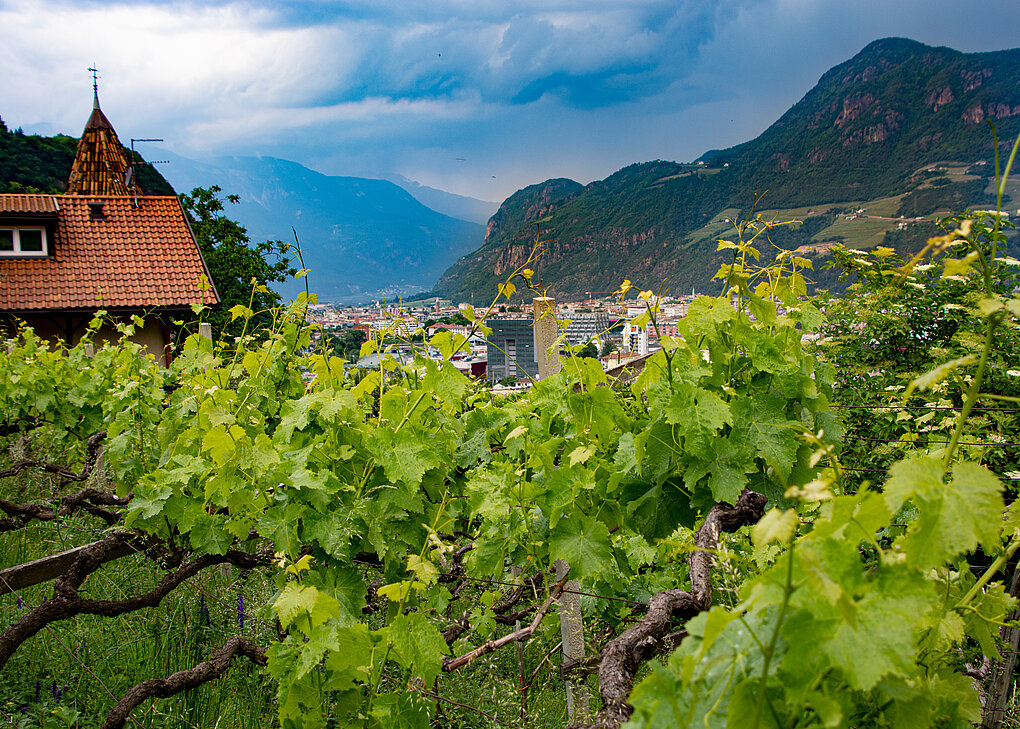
(547,332)
(997,699)
(572,633)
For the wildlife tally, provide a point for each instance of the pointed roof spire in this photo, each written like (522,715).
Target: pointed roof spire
(100,165)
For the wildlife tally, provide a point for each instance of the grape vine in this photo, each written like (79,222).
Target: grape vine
(372,498)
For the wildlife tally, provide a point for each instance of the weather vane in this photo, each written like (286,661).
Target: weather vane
(95,79)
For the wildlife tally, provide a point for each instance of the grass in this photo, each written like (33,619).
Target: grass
(86,663)
(88,658)
(492,684)
(862,233)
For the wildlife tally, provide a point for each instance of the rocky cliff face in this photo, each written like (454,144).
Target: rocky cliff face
(510,236)
(530,204)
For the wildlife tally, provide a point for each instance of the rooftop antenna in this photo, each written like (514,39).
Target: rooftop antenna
(129,177)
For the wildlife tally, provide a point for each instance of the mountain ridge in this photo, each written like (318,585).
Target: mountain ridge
(361,238)
(457,206)
(869,129)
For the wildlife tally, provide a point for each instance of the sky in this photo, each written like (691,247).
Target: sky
(476,97)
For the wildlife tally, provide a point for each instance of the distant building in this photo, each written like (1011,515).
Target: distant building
(583,328)
(473,368)
(511,349)
(667,328)
(452,328)
(635,339)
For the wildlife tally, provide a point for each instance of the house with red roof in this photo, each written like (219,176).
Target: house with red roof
(102,245)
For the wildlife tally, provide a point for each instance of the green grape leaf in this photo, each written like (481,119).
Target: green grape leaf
(356,656)
(952,518)
(727,464)
(655,510)
(404,455)
(332,530)
(348,587)
(990,605)
(337,403)
(220,443)
(776,526)
(486,491)
(296,599)
(626,458)
(583,542)
(419,645)
(209,535)
(320,641)
(294,415)
(888,620)
(761,426)
(401,710)
(580,455)
(810,317)
(149,500)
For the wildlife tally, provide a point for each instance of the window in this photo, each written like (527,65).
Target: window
(23,242)
(511,357)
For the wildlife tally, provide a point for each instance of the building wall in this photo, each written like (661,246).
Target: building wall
(517,338)
(585,327)
(152,337)
(635,339)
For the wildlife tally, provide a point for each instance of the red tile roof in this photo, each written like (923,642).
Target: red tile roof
(100,165)
(28,204)
(135,257)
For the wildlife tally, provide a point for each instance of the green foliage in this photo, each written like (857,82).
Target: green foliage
(945,198)
(346,343)
(826,638)
(895,322)
(241,271)
(861,621)
(388,467)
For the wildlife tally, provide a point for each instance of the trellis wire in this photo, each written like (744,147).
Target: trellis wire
(922,407)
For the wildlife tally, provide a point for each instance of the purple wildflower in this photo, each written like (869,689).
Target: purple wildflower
(240,611)
(38,688)
(54,691)
(44,597)
(21,603)
(205,610)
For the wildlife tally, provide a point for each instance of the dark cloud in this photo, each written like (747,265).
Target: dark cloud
(524,90)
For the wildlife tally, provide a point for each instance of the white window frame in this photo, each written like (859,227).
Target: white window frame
(16,235)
